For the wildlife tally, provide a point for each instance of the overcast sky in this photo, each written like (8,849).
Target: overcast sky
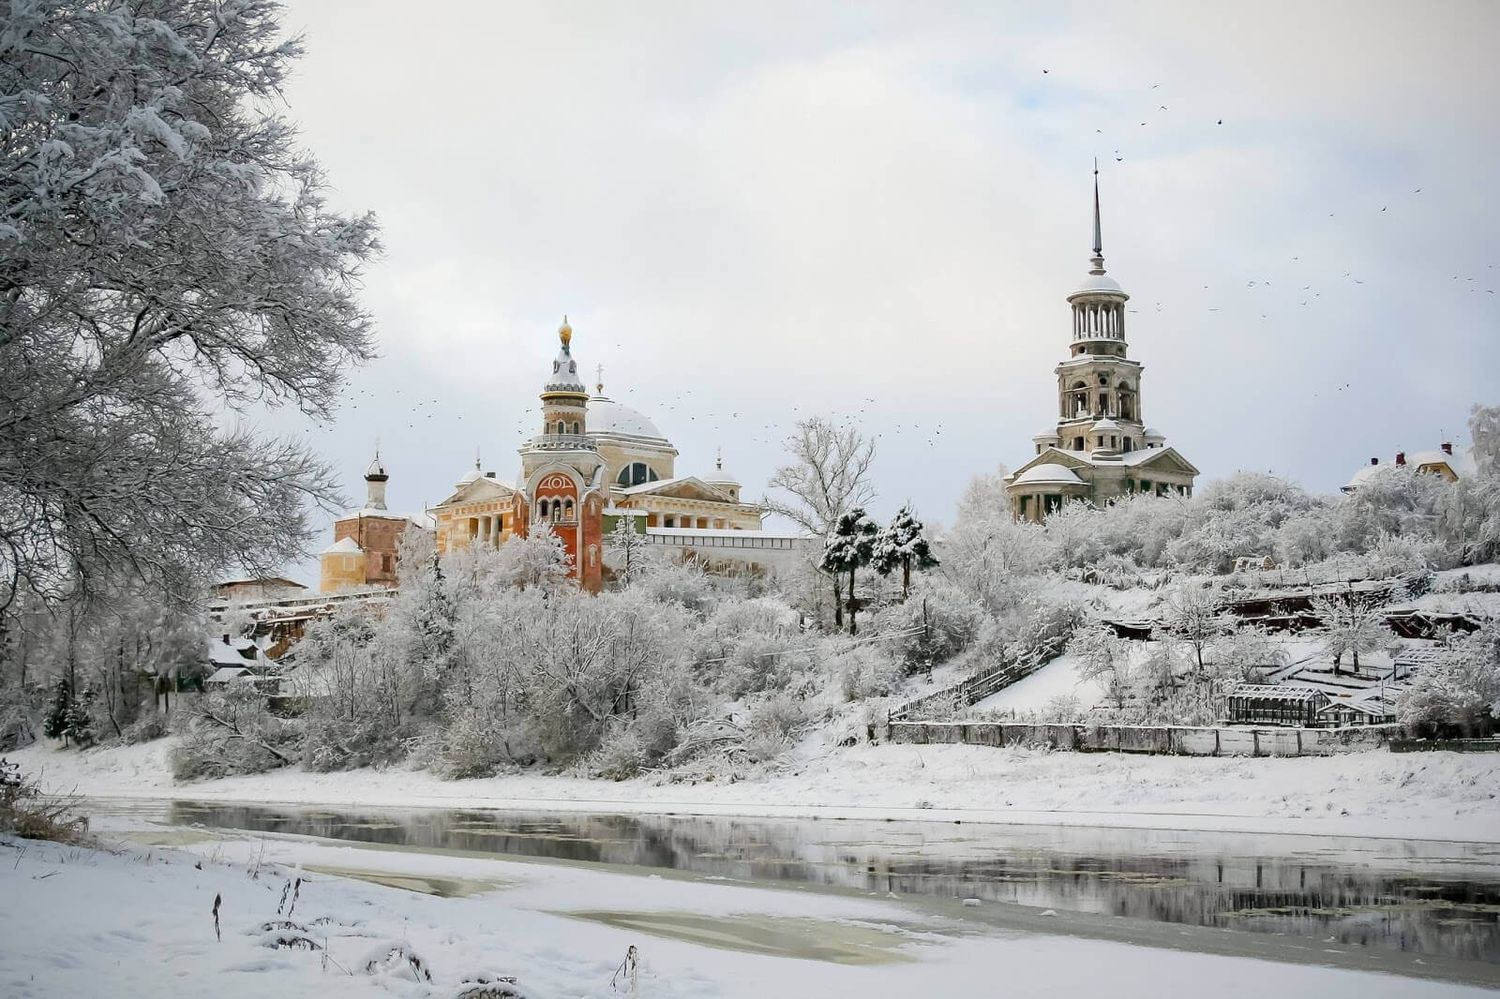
(756,212)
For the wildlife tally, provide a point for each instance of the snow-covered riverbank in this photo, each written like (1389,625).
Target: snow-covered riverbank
(1412,796)
(137,921)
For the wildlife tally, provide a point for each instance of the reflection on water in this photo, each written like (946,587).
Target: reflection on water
(1424,898)
(781,936)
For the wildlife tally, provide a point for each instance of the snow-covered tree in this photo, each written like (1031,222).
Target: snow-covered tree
(1352,625)
(985,496)
(1458,692)
(849,547)
(56,724)
(538,560)
(1195,615)
(1247,654)
(903,542)
(166,253)
(1104,658)
(828,474)
(1484,430)
(630,550)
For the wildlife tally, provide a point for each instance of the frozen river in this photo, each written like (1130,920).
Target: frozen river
(1420,899)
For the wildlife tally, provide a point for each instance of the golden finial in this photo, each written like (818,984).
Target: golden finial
(565,333)
(599,374)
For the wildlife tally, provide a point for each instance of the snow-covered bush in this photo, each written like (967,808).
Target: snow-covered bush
(684,583)
(233,733)
(25,811)
(867,671)
(937,622)
(775,722)
(1039,630)
(1457,693)
(149,726)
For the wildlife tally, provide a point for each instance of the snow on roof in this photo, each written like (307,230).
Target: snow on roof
(1360,477)
(222,654)
(1461,461)
(1097,283)
(343,546)
(1107,425)
(720,477)
(1273,692)
(1049,473)
(607,418)
(1048,436)
(680,480)
(1374,707)
(225,674)
(1152,434)
(565,374)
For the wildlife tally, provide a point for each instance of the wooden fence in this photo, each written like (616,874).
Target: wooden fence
(976,688)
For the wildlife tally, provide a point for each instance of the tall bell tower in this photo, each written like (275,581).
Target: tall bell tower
(1098,386)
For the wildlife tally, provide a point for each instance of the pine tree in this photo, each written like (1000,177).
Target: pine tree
(59,709)
(80,718)
(903,542)
(434,621)
(851,545)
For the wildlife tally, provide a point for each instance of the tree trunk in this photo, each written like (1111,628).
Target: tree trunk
(838,604)
(853,607)
(906,577)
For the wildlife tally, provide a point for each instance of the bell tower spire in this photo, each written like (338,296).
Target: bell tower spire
(1098,259)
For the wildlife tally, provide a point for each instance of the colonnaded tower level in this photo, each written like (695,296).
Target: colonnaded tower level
(1100,447)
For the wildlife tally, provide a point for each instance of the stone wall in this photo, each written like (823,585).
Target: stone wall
(1181,740)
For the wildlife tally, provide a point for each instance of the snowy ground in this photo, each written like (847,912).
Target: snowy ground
(1059,678)
(137,922)
(1444,796)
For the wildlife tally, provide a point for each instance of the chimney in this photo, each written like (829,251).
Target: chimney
(1400,457)
(1447,447)
(1374,461)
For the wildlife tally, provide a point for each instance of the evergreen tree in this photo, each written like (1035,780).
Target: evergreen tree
(851,545)
(80,718)
(903,542)
(59,709)
(433,621)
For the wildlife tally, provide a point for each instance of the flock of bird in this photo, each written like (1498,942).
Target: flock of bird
(688,407)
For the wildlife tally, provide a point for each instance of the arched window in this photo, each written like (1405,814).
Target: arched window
(636,473)
(575,426)
(568,511)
